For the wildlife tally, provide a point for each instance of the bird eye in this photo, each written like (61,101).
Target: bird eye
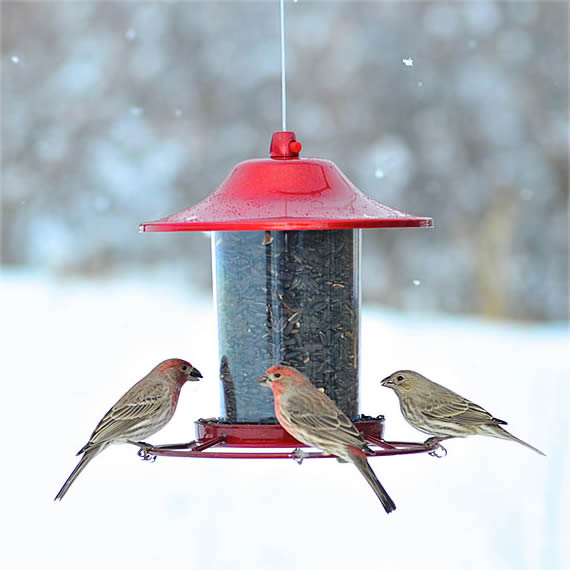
(184,368)
(400,378)
(277,375)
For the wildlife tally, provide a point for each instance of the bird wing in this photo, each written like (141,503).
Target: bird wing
(321,418)
(459,410)
(142,401)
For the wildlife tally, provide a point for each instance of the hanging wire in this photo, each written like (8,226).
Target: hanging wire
(283,78)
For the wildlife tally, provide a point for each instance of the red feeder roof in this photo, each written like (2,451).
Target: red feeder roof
(285,192)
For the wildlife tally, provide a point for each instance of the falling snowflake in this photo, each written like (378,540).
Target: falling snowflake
(379,173)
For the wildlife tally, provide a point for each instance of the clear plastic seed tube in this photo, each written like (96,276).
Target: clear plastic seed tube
(289,297)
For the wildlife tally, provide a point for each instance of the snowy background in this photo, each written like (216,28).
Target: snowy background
(71,349)
(115,113)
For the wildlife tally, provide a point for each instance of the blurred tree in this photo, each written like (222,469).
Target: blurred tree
(114,113)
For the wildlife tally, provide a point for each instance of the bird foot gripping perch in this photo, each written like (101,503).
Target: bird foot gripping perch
(299,455)
(438,450)
(144,451)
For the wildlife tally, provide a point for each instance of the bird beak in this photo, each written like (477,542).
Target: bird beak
(386,382)
(263,380)
(196,373)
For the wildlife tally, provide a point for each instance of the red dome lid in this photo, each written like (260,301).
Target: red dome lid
(285,192)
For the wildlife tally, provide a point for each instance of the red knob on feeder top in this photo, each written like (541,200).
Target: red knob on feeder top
(284,145)
(295,147)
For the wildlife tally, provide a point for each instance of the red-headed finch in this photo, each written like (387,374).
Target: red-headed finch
(145,409)
(439,412)
(311,417)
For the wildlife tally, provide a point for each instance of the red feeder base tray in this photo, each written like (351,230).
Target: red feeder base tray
(214,437)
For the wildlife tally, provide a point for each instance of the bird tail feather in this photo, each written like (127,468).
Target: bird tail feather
(358,457)
(498,431)
(83,462)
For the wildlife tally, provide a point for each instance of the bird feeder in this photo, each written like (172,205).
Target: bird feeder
(286,248)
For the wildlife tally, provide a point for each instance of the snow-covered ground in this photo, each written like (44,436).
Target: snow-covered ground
(70,349)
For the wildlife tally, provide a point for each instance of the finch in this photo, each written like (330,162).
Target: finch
(145,409)
(436,410)
(311,417)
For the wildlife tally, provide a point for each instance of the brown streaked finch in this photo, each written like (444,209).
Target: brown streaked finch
(312,418)
(142,411)
(437,411)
